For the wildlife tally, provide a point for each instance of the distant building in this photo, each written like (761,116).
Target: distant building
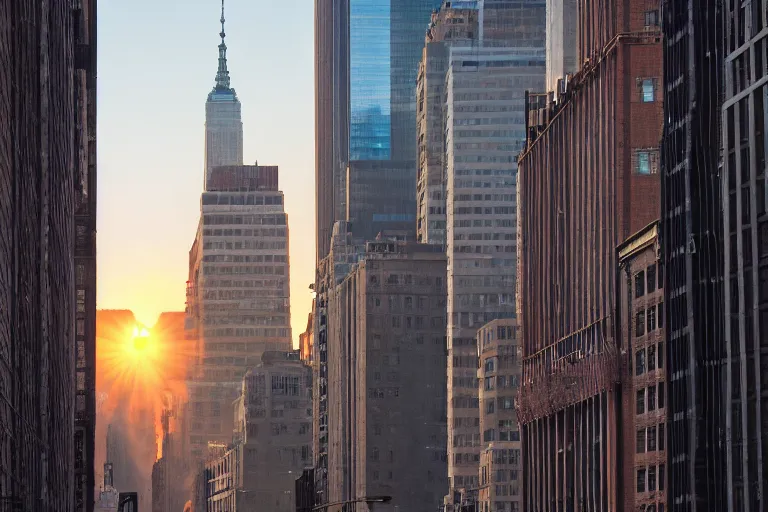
(454,23)
(380,196)
(385,376)
(223,124)
(562,40)
(273,439)
(498,375)
(366,59)
(238,292)
(641,333)
(484,132)
(307,338)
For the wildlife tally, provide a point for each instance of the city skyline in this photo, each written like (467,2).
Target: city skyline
(277,113)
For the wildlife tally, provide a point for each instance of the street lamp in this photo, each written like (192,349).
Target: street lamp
(368,500)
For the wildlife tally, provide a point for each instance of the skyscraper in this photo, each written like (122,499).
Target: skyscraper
(47,254)
(239,297)
(692,245)
(366,56)
(223,125)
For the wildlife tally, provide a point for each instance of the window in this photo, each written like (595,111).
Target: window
(648,90)
(661,395)
(651,278)
(651,358)
(640,442)
(660,355)
(489,406)
(650,315)
(661,440)
(660,315)
(641,480)
(639,284)
(651,439)
(652,398)
(643,162)
(652,478)
(652,18)
(661,481)
(640,362)
(640,323)
(640,401)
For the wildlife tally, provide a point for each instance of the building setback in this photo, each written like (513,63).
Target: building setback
(640,333)
(386,378)
(587,180)
(499,367)
(47,254)
(484,132)
(238,292)
(692,228)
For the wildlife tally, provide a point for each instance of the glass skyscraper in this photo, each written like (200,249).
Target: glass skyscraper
(385,41)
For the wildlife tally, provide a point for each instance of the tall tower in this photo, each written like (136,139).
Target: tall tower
(223,124)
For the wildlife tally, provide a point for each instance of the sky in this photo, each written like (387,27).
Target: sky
(157,63)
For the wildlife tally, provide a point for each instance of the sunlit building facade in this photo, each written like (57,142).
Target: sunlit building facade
(238,296)
(484,132)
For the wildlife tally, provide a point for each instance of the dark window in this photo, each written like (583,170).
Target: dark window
(661,483)
(639,284)
(652,478)
(640,323)
(652,398)
(640,401)
(661,275)
(640,362)
(641,480)
(660,355)
(651,438)
(662,433)
(661,395)
(650,279)
(652,18)
(660,315)
(651,358)
(640,441)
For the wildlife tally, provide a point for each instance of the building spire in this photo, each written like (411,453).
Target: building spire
(222,76)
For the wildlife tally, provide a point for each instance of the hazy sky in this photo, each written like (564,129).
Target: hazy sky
(157,63)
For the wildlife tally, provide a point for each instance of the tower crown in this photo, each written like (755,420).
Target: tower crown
(222,75)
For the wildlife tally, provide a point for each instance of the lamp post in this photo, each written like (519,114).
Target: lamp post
(368,500)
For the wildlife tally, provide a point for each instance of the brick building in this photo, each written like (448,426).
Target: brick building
(587,180)
(640,333)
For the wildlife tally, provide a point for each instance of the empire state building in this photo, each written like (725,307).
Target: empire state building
(223,124)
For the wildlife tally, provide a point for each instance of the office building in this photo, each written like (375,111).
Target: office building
(386,381)
(273,435)
(498,377)
(454,25)
(640,333)
(223,124)
(579,197)
(307,338)
(515,24)
(366,61)
(380,197)
(562,40)
(48,254)
(238,292)
(693,243)
(484,132)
